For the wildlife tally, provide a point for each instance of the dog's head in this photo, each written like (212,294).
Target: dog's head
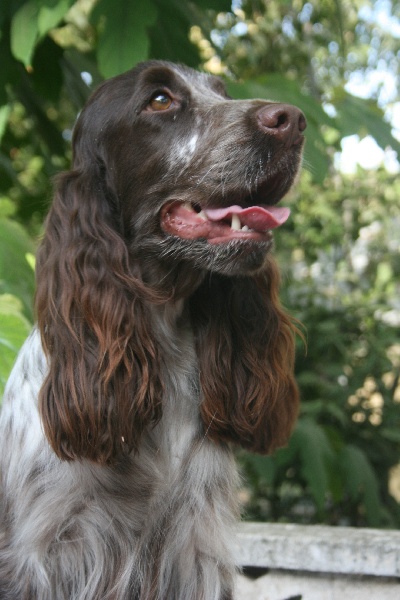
(172,195)
(197,176)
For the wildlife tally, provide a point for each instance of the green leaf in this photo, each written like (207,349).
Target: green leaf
(169,37)
(47,75)
(9,72)
(14,328)
(16,276)
(31,260)
(263,466)
(315,158)
(4,114)
(316,457)
(360,116)
(124,41)
(50,14)
(31,22)
(314,408)
(393,435)
(25,31)
(360,481)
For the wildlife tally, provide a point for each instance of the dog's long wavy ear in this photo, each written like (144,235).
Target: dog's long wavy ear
(103,385)
(245,344)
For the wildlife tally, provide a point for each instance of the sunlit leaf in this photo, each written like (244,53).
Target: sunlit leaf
(14,328)
(31,260)
(50,14)
(4,114)
(31,21)
(25,31)
(16,276)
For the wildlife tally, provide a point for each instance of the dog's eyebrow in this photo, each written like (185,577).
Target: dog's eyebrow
(159,76)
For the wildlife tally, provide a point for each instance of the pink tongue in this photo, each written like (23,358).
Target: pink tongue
(259,218)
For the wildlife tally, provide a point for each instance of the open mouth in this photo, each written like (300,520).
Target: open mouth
(221,225)
(252,219)
(249,217)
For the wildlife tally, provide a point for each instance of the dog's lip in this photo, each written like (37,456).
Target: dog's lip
(221,225)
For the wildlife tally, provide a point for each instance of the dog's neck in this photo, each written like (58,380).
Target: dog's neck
(182,278)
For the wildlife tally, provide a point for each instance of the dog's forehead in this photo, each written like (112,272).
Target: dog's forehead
(201,81)
(182,78)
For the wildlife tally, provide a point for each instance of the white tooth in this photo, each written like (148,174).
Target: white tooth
(236,224)
(188,206)
(202,215)
(245,228)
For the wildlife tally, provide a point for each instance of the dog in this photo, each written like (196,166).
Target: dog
(160,345)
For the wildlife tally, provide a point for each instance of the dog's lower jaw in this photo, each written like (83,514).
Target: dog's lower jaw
(234,258)
(239,257)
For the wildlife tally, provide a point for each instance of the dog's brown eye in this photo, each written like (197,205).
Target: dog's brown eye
(160,101)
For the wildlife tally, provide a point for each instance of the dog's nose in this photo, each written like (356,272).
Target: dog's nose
(284,121)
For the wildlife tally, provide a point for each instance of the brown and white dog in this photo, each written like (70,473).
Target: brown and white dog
(160,343)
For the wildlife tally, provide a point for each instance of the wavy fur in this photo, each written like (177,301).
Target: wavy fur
(154,350)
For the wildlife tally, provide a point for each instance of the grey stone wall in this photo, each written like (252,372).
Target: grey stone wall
(317,563)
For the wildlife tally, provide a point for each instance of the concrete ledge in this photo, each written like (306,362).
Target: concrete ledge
(318,563)
(282,585)
(320,549)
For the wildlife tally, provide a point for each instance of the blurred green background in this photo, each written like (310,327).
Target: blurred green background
(340,251)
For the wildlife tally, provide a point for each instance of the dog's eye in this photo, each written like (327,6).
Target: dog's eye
(160,101)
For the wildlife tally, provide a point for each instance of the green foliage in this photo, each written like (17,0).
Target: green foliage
(31,22)
(16,275)
(16,289)
(339,252)
(360,482)
(313,481)
(14,328)
(337,464)
(123,21)
(356,115)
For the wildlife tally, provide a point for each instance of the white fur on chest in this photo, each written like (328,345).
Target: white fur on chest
(163,509)
(180,423)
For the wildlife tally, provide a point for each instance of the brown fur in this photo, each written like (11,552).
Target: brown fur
(104,383)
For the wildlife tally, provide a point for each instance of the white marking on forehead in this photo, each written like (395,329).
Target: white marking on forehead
(191,146)
(186,149)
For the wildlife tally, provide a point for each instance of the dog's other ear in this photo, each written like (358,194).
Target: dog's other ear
(245,344)
(103,386)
